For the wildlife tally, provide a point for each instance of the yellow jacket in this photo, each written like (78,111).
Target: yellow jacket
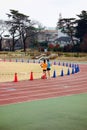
(44,66)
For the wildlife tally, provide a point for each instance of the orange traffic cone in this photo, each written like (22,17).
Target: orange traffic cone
(15,78)
(31,76)
(44,76)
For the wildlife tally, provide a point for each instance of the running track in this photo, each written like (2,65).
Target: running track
(24,91)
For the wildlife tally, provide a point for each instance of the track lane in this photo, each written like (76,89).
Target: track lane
(11,92)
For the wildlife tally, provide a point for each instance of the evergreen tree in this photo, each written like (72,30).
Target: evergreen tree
(67,26)
(21,27)
(81,29)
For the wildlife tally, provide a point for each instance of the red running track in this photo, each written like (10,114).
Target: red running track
(24,91)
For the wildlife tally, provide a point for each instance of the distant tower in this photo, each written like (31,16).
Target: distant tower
(60,16)
(60,26)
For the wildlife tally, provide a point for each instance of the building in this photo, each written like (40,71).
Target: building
(48,35)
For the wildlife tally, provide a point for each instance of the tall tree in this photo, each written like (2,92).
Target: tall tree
(22,26)
(67,26)
(81,28)
(13,32)
(18,23)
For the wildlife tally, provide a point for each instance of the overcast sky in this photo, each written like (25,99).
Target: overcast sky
(45,11)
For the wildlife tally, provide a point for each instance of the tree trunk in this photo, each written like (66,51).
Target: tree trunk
(24,45)
(1,44)
(13,45)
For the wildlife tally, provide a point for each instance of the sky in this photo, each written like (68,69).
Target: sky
(45,11)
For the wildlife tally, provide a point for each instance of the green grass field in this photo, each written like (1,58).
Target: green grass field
(63,113)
